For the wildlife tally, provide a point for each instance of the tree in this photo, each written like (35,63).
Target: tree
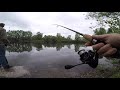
(39,35)
(69,37)
(59,37)
(112,19)
(99,31)
(19,36)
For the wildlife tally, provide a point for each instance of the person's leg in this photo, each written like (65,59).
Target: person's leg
(0,59)
(0,63)
(0,56)
(4,54)
(3,59)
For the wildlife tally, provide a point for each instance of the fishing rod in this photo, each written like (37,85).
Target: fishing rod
(87,54)
(69,29)
(86,36)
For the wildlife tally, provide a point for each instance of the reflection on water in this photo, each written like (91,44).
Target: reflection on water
(43,55)
(25,53)
(69,46)
(38,46)
(18,47)
(46,60)
(21,47)
(77,46)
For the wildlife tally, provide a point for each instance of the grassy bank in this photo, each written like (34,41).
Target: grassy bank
(104,72)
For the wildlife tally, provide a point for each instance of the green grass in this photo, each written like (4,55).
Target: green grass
(115,61)
(102,72)
(116,75)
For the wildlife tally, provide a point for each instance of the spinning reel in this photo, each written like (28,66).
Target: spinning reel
(87,56)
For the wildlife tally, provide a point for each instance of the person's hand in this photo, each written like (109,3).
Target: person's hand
(113,43)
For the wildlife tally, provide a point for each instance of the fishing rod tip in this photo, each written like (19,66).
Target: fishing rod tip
(54,24)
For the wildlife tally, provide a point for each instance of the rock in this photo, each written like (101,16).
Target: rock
(15,72)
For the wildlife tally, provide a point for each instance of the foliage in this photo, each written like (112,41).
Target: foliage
(38,36)
(100,31)
(27,36)
(111,19)
(19,36)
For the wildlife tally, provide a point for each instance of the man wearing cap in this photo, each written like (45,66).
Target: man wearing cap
(3,43)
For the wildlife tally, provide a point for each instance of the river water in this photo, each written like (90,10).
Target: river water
(47,61)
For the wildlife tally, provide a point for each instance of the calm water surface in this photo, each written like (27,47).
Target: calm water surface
(46,61)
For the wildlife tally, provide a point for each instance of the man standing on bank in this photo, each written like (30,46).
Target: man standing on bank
(3,44)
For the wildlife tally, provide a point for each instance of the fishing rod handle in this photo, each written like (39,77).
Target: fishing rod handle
(116,55)
(93,41)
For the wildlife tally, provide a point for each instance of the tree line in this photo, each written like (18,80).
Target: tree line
(20,36)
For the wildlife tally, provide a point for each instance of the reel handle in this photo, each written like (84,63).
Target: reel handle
(71,66)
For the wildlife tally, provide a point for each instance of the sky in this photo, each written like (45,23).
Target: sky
(43,22)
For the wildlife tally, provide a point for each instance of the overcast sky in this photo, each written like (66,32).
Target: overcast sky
(42,22)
